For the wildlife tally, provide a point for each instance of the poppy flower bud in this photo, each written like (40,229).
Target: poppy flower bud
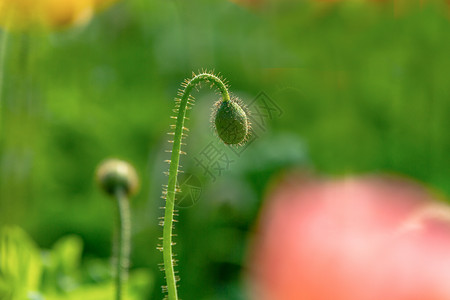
(231,122)
(114,174)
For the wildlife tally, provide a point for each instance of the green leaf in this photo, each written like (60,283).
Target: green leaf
(67,254)
(62,265)
(20,264)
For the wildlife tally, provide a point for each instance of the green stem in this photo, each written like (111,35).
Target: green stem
(173,172)
(122,244)
(4,40)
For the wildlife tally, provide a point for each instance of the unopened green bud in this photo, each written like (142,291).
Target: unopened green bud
(114,174)
(231,122)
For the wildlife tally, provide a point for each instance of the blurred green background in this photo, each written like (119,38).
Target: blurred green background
(358,87)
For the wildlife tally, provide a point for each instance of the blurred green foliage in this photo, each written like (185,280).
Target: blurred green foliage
(26,272)
(362,89)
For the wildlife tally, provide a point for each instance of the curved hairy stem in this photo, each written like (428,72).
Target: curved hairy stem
(182,104)
(122,243)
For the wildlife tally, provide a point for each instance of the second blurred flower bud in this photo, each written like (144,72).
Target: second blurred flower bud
(114,174)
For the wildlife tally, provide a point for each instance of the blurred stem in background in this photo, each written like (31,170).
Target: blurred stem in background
(119,180)
(122,240)
(19,109)
(3,42)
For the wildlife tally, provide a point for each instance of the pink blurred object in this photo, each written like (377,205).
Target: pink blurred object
(366,238)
